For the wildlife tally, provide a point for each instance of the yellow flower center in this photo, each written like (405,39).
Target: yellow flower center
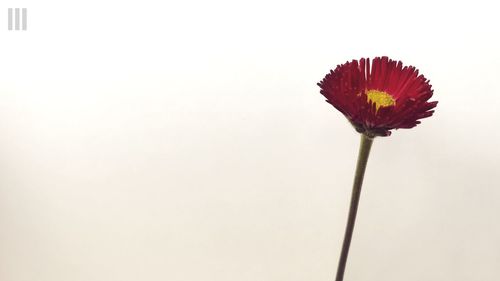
(380,98)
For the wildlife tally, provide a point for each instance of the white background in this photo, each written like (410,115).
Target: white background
(183,141)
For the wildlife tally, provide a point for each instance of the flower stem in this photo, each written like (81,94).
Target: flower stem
(364,152)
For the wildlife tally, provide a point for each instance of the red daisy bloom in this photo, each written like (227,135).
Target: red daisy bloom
(379,97)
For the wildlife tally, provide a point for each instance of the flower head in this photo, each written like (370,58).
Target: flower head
(380,96)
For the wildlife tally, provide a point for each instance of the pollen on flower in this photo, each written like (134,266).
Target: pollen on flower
(378,95)
(380,98)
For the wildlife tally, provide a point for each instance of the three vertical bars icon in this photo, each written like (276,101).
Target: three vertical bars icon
(17,18)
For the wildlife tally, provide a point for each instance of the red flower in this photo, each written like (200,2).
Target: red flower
(379,97)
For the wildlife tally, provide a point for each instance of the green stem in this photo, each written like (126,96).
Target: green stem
(364,152)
